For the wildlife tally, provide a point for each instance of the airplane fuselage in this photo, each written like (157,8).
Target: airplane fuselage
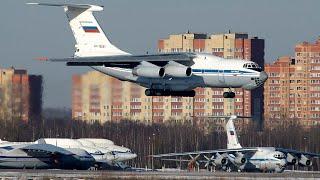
(207,71)
(266,159)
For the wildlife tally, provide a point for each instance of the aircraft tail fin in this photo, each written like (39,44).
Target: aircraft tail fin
(233,142)
(90,38)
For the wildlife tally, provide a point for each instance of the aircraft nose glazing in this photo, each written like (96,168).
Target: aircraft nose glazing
(283,163)
(134,156)
(131,156)
(263,76)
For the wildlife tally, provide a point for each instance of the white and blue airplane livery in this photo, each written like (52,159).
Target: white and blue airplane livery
(249,159)
(169,74)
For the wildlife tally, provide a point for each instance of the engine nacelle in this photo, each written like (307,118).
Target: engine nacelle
(146,69)
(177,70)
(221,160)
(304,161)
(240,159)
(291,159)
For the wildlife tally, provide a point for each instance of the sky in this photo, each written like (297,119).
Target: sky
(28,32)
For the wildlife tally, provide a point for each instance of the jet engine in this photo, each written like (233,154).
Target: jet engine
(304,161)
(221,160)
(291,159)
(240,159)
(146,69)
(177,70)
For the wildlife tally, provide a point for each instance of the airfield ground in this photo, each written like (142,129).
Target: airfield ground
(75,174)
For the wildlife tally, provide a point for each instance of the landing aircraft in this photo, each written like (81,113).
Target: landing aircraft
(43,156)
(170,74)
(263,159)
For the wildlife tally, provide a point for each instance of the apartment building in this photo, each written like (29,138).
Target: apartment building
(20,95)
(97,97)
(292,91)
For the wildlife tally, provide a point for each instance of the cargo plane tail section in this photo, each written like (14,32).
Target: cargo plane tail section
(90,38)
(233,142)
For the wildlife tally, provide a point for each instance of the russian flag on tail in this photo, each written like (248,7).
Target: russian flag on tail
(91,29)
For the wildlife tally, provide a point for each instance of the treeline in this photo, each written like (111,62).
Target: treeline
(149,139)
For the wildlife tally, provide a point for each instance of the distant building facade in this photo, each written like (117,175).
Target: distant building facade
(101,98)
(98,97)
(292,91)
(230,46)
(20,95)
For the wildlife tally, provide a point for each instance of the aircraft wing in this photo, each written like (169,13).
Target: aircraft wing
(128,61)
(39,149)
(220,151)
(298,153)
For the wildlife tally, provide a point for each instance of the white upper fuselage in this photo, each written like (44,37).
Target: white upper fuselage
(101,152)
(265,159)
(207,71)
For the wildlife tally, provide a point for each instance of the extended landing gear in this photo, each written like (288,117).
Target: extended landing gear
(229,94)
(159,92)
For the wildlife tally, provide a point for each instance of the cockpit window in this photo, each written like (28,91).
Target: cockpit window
(252,66)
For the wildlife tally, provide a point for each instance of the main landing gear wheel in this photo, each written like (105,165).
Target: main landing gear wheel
(156,92)
(229,94)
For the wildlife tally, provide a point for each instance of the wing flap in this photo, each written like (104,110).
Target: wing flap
(79,6)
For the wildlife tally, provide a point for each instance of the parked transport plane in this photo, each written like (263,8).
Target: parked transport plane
(43,156)
(175,74)
(264,159)
(106,154)
(104,151)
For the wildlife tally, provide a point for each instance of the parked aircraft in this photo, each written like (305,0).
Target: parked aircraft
(104,151)
(172,74)
(265,159)
(119,153)
(43,156)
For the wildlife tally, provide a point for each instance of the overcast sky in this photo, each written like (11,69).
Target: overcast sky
(28,31)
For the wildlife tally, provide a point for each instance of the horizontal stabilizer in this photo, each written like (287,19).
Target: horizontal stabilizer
(80,6)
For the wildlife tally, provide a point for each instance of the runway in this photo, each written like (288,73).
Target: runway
(76,174)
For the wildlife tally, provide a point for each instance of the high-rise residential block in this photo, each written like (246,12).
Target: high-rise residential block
(292,91)
(20,95)
(97,97)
